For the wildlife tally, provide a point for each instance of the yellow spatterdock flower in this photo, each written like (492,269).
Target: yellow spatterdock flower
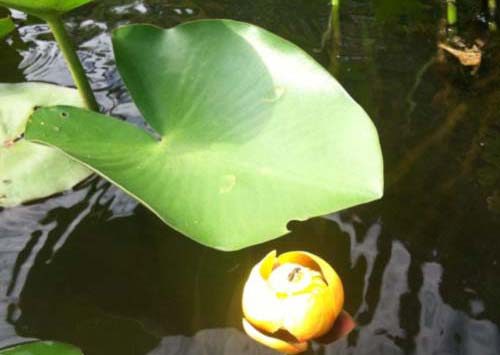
(291,299)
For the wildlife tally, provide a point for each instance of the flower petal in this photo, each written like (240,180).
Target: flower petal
(313,314)
(267,264)
(299,257)
(333,281)
(287,347)
(260,304)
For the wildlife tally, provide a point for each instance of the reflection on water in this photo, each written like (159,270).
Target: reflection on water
(420,267)
(445,330)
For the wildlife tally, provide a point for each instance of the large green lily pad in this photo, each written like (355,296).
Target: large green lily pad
(250,133)
(6,26)
(28,170)
(42,348)
(43,8)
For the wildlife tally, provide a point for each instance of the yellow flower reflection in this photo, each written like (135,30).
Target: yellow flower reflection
(291,299)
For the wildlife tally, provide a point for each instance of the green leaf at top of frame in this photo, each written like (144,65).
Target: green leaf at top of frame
(27,170)
(6,26)
(42,8)
(250,133)
(42,348)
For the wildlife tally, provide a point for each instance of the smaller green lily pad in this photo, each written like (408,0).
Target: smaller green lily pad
(42,8)
(27,170)
(42,348)
(6,26)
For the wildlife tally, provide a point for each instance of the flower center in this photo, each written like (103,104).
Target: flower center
(290,278)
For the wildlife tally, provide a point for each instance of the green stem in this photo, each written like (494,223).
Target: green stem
(336,20)
(492,9)
(334,26)
(452,12)
(75,66)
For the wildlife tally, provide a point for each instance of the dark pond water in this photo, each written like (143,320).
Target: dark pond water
(420,267)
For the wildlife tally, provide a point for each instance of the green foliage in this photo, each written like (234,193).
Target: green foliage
(27,170)
(451,12)
(250,133)
(42,348)
(6,26)
(50,11)
(43,8)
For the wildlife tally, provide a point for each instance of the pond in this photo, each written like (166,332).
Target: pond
(420,267)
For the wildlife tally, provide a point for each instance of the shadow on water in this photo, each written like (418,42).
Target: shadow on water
(420,267)
(154,284)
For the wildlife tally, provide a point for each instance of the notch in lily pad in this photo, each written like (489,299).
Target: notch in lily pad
(254,133)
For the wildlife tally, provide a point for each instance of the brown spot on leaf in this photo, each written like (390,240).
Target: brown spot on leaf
(8,143)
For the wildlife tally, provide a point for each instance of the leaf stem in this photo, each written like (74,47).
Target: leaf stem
(452,12)
(335,18)
(75,66)
(492,10)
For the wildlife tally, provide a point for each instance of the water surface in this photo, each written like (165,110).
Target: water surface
(420,267)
